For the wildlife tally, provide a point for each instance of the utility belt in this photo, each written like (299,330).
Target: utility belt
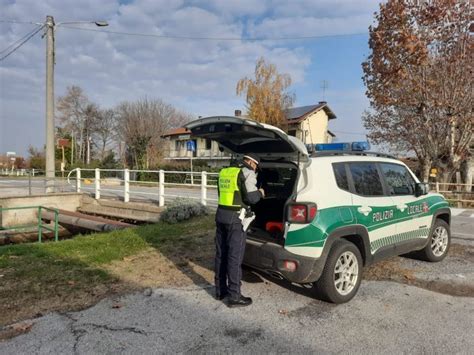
(230,208)
(246,216)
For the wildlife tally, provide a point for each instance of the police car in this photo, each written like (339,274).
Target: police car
(327,215)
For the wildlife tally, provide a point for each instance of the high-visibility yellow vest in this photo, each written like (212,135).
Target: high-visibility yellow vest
(229,192)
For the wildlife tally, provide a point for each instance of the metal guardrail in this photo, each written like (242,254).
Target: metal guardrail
(40,226)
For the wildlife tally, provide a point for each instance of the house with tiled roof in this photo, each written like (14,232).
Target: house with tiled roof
(310,124)
(307,123)
(205,149)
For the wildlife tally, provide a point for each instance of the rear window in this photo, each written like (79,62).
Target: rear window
(366,179)
(341,176)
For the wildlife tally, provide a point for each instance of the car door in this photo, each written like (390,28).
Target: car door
(412,217)
(372,207)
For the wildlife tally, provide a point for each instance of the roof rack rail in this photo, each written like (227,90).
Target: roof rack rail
(328,153)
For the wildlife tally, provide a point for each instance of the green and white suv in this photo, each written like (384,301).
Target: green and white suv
(328,214)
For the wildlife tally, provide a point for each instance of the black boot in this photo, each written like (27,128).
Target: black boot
(221,297)
(239,302)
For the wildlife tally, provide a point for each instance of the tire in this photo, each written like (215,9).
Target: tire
(439,242)
(341,252)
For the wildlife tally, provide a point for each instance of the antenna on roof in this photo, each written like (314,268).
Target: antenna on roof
(324,86)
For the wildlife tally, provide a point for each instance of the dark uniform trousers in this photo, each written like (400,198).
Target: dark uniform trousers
(230,249)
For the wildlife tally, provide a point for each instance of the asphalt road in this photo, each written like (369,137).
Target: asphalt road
(385,316)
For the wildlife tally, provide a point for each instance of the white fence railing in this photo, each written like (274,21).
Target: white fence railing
(157,185)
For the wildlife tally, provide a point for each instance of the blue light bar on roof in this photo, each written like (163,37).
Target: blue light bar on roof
(360,146)
(332,146)
(346,147)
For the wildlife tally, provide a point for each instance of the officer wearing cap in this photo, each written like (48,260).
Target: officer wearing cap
(237,189)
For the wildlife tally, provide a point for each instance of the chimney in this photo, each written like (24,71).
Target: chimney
(237,113)
(322,102)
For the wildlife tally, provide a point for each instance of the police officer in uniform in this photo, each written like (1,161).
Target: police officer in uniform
(237,190)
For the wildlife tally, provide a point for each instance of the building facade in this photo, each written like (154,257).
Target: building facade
(307,123)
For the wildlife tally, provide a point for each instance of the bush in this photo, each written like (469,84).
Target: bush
(182,209)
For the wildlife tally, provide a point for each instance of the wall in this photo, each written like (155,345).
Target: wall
(317,126)
(65,201)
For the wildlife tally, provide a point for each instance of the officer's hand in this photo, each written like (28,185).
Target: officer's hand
(262,192)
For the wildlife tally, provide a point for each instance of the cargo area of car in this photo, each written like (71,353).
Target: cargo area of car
(279,182)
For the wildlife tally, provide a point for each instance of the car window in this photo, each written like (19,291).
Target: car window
(366,179)
(398,178)
(341,176)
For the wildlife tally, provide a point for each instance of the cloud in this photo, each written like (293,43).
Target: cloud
(196,76)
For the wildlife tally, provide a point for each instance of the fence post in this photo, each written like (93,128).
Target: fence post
(78,180)
(97,183)
(204,188)
(33,171)
(40,225)
(459,189)
(126,185)
(29,184)
(437,186)
(161,193)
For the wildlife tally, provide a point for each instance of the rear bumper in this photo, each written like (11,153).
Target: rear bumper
(269,258)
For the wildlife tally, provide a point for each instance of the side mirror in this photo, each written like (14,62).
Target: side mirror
(421,188)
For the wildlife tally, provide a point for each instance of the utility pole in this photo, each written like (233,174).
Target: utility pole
(50,28)
(50,166)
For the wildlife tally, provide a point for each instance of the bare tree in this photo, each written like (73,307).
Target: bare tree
(79,116)
(266,95)
(105,131)
(419,81)
(141,125)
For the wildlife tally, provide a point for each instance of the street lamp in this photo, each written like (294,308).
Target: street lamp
(50,27)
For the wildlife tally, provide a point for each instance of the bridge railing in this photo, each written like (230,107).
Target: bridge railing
(159,185)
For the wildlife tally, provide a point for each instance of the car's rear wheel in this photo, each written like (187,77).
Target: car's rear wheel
(438,244)
(342,273)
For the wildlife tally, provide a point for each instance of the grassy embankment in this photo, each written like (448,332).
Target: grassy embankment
(76,273)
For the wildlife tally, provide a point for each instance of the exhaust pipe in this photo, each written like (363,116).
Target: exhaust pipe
(276,275)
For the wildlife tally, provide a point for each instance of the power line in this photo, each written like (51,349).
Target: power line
(351,133)
(21,43)
(17,41)
(251,39)
(20,22)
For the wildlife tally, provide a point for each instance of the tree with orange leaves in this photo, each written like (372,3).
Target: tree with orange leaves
(266,95)
(419,81)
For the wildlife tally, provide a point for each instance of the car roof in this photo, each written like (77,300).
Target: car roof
(348,157)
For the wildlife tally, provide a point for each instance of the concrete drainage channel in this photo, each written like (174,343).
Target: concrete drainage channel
(54,216)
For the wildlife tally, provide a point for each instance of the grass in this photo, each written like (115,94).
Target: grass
(72,274)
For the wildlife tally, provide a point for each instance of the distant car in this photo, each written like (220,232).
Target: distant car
(327,215)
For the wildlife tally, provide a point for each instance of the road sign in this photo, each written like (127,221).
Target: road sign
(64,142)
(191,146)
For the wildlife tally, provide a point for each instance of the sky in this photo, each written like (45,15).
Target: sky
(196,76)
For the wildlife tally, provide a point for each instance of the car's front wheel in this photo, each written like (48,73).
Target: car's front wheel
(342,273)
(438,244)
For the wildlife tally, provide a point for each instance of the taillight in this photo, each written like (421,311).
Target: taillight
(301,212)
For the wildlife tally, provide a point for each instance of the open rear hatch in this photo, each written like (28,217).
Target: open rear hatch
(278,174)
(242,136)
